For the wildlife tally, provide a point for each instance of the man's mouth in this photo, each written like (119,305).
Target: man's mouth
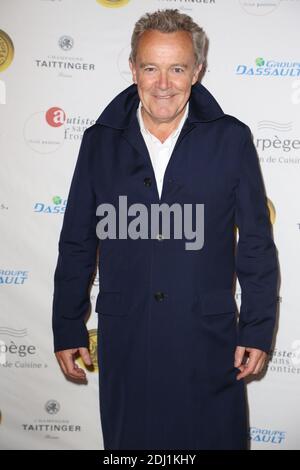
(167,97)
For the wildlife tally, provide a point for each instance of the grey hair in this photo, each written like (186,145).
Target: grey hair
(169,21)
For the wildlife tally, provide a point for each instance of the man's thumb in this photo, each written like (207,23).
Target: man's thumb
(238,356)
(85,355)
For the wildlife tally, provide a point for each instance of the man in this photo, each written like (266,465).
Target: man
(172,356)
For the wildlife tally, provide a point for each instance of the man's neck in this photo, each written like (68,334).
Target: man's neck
(161,129)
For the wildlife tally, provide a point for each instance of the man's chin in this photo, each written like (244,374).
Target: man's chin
(164,116)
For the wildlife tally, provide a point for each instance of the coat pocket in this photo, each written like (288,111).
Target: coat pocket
(218,301)
(111,303)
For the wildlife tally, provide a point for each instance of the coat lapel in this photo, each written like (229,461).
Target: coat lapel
(135,138)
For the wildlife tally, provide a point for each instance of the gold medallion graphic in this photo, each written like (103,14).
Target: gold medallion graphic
(113,3)
(93,353)
(271,210)
(272,214)
(6,51)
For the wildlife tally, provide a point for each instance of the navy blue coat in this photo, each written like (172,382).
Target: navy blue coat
(168,324)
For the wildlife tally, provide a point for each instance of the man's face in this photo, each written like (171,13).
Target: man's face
(164,71)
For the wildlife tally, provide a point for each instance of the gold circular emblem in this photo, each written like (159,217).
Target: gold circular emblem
(272,214)
(6,51)
(93,353)
(113,3)
(271,210)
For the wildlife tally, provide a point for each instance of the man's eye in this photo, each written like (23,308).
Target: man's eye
(149,69)
(178,69)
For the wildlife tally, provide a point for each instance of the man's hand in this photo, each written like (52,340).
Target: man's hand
(67,362)
(254,364)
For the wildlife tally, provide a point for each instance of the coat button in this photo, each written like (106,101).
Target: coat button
(160,237)
(159,296)
(147,181)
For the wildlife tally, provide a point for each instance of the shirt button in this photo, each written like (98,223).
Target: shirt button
(147,181)
(159,296)
(160,237)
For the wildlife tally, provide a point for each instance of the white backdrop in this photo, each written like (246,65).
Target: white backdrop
(61,62)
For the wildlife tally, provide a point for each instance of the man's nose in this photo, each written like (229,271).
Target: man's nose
(163,81)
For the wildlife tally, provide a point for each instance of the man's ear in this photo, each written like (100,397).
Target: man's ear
(196,73)
(133,70)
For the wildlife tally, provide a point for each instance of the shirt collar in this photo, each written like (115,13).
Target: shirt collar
(174,134)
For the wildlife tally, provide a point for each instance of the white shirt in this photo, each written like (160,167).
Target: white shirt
(159,152)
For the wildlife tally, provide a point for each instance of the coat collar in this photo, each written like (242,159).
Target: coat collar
(121,111)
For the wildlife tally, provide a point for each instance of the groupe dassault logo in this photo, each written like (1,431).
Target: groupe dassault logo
(269,67)
(139,226)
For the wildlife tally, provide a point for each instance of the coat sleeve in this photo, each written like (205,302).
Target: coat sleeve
(256,257)
(77,257)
